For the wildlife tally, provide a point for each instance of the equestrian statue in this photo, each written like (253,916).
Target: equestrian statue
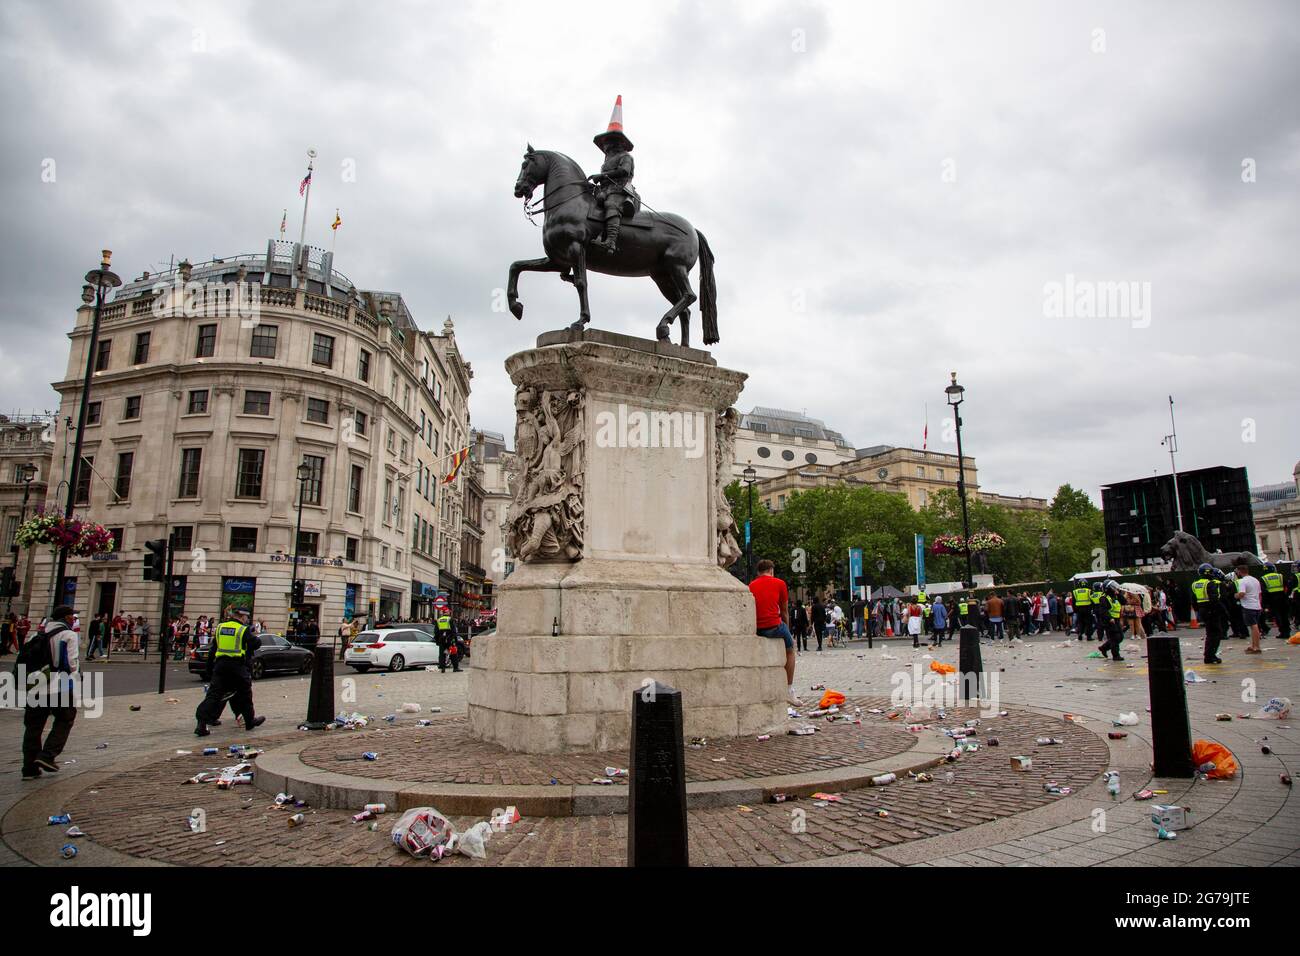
(596,223)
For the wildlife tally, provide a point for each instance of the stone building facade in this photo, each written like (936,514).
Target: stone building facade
(24,440)
(201,413)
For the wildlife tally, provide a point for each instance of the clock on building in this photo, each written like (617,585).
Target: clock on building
(882,473)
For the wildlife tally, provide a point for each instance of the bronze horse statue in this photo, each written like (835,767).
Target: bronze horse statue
(662,246)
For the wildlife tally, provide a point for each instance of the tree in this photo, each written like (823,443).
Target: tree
(1070,503)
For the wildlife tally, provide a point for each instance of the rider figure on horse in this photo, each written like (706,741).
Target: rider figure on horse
(614,181)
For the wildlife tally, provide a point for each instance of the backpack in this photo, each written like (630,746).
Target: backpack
(35,654)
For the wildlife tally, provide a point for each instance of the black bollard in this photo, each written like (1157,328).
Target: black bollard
(970,666)
(320,698)
(656,807)
(1171,733)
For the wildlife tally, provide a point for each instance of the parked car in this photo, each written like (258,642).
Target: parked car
(395,648)
(275,655)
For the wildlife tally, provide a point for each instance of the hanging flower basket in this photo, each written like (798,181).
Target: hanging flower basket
(82,538)
(985,541)
(948,544)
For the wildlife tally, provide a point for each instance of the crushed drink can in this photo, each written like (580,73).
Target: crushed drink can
(68,851)
(375,808)
(991,742)
(363,816)
(370,755)
(297,819)
(883,780)
(209,751)
(60,819)
(1047,741)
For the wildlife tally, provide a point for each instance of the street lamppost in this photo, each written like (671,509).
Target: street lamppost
(1044,542)
(98,282)
(304,473)
(750,476)
(26,474)
(955,393)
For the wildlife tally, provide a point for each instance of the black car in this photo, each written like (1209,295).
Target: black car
(275,655)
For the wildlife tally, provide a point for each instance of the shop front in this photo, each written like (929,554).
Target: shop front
(423,596)
(449,586)
(390,605)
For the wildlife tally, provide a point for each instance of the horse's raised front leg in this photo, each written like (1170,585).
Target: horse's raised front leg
(545,264)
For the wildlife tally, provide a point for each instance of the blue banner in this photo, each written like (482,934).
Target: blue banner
(855,564)
(747,534)
(920,561)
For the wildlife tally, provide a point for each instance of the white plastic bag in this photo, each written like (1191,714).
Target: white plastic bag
(473,842)
(1126,720)
(422,829)
(1278,708)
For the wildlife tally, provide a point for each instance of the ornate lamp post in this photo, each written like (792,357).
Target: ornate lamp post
(304,473)
(98,282)
(750,476)
(955,393)
(1044,541)
(26,474)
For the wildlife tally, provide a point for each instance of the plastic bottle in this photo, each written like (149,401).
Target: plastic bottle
(884,780)
(1112,784)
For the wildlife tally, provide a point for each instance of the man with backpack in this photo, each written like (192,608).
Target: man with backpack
(53,652)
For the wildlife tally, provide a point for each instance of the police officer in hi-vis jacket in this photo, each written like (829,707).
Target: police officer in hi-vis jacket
(230,654)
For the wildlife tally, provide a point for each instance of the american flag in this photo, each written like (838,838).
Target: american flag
(306,181)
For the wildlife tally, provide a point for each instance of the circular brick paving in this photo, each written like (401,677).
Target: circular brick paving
(444,752)
(243,829)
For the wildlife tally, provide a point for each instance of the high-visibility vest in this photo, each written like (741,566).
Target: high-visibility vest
(1272,582)
(1115,606)
(444,623)
(961,608)
(230,639)
(1201,588)
(1082,597)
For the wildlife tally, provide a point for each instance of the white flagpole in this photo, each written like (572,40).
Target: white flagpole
(302,236)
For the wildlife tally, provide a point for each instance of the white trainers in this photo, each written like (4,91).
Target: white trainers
(794,698)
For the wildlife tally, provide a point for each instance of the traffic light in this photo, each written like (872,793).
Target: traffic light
(155,562)
(299,592)
(8,585)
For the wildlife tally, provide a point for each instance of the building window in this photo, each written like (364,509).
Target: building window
(810,458)
(207,344)
(131,409)
(397,559)
(243,539)
(198,402)
(191,462)
(921,497)
(318,410)
(248,483)
(322,350)
(392,436)
(183,537)
(264,341)
(354,489)
(401,507)
(920,471)
(939,472)
(359,422)
(764,452)
(383,556)
(102,351)
(125,462)
(363,366)
(350,549)
(141,348)
(93,410)
(311,488)
(257,402)
(307,542)
(118,535)
(83,480)
(11,531)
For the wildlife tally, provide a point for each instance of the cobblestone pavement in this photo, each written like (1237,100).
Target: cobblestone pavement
(243,828)
(988,816)
(445,753)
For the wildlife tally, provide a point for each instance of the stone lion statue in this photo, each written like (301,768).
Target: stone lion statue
(1187,553)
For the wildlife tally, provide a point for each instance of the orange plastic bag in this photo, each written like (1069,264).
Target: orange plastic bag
(1294,638)
(1207,751)
(940,668)
(832,698)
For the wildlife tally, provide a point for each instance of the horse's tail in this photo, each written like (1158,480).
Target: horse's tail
(708,292)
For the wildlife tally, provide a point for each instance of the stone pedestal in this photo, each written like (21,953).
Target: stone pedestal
(615,525)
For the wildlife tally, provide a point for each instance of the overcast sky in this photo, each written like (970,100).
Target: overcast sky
(888,188)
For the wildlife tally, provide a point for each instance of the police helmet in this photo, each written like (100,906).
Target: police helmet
(1206,568)
(1269,566)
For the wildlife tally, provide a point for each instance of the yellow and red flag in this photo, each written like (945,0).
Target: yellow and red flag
(457,460)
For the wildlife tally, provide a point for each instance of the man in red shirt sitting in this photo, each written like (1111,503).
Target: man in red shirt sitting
(771,600)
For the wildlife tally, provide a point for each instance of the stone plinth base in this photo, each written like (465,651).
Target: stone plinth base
(622,624)
(624,587)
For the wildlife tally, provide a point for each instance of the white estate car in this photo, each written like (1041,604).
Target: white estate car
(395,648)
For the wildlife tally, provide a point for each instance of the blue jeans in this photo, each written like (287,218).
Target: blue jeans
(781,631)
